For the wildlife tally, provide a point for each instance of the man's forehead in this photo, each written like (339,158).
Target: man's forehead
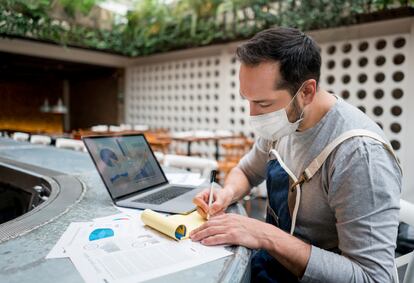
(258,81)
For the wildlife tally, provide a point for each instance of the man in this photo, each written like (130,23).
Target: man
(338,222)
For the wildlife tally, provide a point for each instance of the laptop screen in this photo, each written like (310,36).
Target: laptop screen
(125,163)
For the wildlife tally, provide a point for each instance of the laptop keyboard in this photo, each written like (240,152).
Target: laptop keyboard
(163,195)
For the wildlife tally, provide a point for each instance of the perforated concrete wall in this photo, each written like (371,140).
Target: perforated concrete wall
(371,74)
(187,94)
(186,91)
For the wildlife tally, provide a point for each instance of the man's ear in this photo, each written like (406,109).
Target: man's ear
(309,91)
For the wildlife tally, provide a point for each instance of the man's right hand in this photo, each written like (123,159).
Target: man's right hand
(221,200)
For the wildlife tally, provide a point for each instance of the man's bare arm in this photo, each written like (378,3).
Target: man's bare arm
(236,185)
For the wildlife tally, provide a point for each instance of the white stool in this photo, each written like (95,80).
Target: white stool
(99,128)
(115,129)
(202,165)
(409,272)
(39,139)
(142,128)
(70,144)
(125,127)
(18,136)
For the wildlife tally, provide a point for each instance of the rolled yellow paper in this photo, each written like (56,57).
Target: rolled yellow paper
(176,226)
(160,223)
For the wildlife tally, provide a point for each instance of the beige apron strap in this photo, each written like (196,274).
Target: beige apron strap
(320,159)
(283,165)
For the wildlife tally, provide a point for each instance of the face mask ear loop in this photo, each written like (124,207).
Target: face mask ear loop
(301,114)
(299,89)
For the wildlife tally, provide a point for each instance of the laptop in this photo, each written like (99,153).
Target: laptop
(133,176)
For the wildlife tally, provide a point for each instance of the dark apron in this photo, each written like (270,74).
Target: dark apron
(264,267)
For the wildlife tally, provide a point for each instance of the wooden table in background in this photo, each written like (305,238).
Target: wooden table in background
(191,139)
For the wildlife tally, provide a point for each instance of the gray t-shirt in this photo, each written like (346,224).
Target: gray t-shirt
(349,210)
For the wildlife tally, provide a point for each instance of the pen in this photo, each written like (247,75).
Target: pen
(210,198)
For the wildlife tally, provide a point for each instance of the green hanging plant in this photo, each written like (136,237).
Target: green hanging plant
(82,6)
(152,26)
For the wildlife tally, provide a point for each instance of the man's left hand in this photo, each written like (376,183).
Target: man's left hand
(230,229)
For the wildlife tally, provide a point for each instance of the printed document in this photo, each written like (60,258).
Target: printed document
(120,248)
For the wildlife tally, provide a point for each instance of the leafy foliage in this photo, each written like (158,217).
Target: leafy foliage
(154,27)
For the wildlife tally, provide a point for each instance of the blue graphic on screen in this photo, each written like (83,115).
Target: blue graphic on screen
(109,158)
(126,163)
(145,172)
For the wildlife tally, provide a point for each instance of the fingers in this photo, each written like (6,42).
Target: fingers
(217,231)
(203,195)
(195,231)
(230,229)
(218,206)
(222,212)
(201,200)
(207,224)
(216,221)
(213,235)
(201,212)
(208,232)
(201,205)
(220,239)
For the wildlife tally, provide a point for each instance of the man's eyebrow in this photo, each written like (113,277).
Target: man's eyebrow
(255,101)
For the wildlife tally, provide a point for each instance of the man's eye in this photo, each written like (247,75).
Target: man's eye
(264,105)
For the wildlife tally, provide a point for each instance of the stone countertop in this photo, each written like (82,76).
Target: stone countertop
(22,259)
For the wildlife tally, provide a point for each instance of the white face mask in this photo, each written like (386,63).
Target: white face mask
(274,125)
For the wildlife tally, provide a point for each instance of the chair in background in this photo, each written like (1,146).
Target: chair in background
(183,141)
(113,128)
(204,134)
(406,216)
(234,150)
(223,133)
(19,136)
(39,139)
(409,273)
(99,128)
(202,165)
(70,144)
(160,156)
(158,143)
(125,127)
(4,134)
(141,128)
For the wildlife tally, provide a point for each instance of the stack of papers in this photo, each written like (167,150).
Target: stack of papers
(120,248)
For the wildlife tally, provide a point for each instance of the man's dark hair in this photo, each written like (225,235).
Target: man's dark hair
(298,55)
